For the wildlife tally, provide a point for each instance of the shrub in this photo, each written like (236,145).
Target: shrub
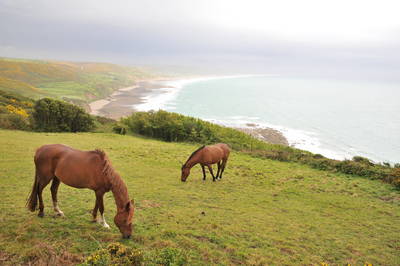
(169,256)
(362,160)
(175,127)
(115,254)
(15,111)
(323,164)
(58,116)
(318,156)
(394,177)
(13,121)
(120,129)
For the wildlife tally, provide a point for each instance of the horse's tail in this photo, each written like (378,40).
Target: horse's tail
(33,197)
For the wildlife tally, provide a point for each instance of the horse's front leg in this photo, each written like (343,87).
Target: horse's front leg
(95,209)
(99,200)
(204,172)
(211,172)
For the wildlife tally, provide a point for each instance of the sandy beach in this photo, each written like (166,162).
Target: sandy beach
(121,104)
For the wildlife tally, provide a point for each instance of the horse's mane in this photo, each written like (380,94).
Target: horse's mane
(107,169)
(190,157)
(118,186)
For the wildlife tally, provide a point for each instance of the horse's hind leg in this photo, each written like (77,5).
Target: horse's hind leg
(219,168)
(222,168)
(42,184)
(54,190)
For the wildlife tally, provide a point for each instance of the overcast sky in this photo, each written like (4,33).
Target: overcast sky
(308,37)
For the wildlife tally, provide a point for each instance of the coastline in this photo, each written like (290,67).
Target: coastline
(267,134)
(120,102)
(161,93)
(148,95)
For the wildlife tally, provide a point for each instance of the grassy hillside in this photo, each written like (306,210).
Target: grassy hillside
(262,212)
(65,80)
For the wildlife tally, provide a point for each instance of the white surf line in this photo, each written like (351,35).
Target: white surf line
(169,89)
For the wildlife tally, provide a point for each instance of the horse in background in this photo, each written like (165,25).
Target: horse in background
(207,156)
(81,169)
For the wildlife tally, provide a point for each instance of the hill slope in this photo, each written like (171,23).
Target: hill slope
(261,212)
(66,80)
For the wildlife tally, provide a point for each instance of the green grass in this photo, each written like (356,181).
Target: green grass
(66,80)
(65,88)
(261,212)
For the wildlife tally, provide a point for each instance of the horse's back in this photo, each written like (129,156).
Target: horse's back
(225,148)
(215,153)
(73,167)
(47,157)
(51,150)
(81,169)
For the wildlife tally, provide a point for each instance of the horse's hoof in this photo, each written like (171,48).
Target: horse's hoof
(40,214)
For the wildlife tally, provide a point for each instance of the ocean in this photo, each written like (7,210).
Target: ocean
(338,119)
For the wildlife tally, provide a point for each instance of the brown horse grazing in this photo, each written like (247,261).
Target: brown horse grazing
(81,169)
(206,156)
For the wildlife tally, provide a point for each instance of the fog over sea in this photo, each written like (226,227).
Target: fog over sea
(338,119)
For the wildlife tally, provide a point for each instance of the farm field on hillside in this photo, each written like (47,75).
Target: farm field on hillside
(261,212)
(80,82)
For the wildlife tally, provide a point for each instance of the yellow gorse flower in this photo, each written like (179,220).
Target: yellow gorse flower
(17,110)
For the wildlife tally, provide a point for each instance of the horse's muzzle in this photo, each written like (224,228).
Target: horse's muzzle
(126,237)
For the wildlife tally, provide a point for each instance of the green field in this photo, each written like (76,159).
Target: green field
(72,81)
(261,212)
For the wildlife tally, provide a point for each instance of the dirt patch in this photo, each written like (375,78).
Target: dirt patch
(390,198)
(145,204)
(287,251)
(5,258)
(44,254)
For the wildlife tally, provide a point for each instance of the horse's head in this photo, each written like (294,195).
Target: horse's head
(123,219)
(185,173)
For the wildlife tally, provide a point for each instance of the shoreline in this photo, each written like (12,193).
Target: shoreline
(266,134)
(158,93)
(96,106)
(120,103)
(125,101)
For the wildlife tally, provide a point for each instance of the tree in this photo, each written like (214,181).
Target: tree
(57,116)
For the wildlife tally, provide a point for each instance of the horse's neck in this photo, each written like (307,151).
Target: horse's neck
(192,162)
(120,192)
